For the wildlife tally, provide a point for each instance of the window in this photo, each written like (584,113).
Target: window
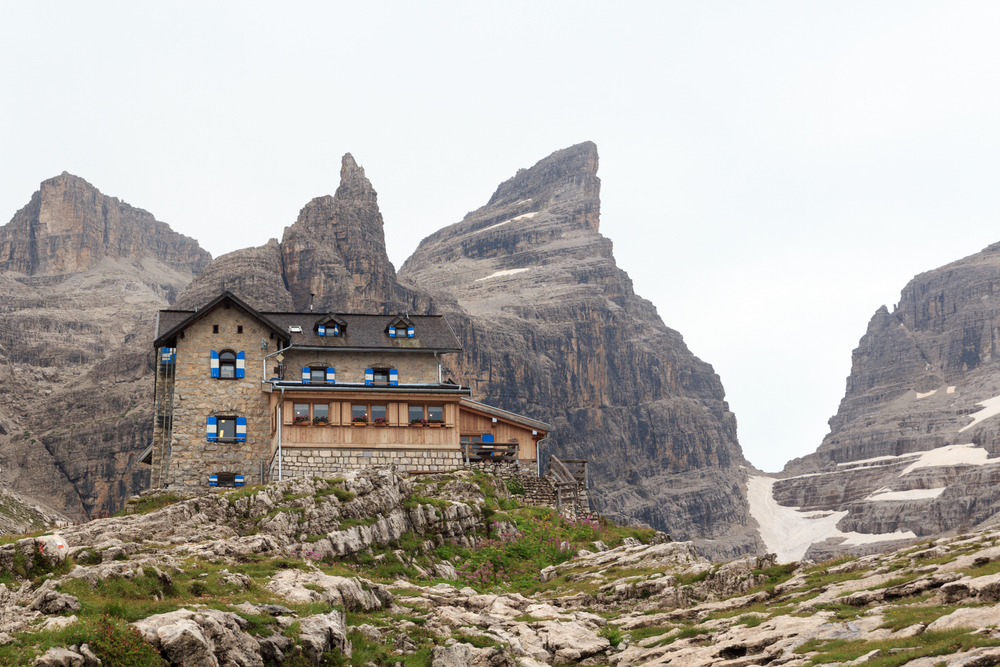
(227,364)
(226,429)
(215,328)
(359,413)
(239,328)
(321,413)
(416,413)
(318,375)
(379,415)
(466,439)
(435,413)
(382,376)
(301,413)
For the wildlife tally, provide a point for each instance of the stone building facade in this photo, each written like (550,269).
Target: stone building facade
(246,397)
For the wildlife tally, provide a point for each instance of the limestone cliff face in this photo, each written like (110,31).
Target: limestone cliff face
(551,328)
(917,377)
(81,278)
(253,273)
(70,226)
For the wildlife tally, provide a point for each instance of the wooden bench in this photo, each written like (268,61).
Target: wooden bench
(476,452)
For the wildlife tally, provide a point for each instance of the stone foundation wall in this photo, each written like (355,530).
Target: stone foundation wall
(323,461)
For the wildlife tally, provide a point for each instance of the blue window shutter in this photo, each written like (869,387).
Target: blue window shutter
(241,428)
(369,376)
(410,332)
(213,480)
(212,429)
(392,332)
(305,375)
(336,329)
(215,364)
(241,364)
(393,377)
(488,437)
(238,480)
(322,330)
(331,376)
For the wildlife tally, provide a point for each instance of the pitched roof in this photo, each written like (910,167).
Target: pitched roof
(533,424)
(172,322)
(431,332)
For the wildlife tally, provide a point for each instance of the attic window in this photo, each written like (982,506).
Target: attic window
(215,328)
(401,329)
(295,329)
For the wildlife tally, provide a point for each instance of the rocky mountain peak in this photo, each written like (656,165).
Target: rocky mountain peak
(551,327)
(332,258)
(354,185)
(566,170)
(69,225)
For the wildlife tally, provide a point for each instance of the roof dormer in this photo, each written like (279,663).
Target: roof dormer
(330,325)
(401,326)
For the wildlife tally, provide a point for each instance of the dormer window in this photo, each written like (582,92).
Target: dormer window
(331,325)
(401,327)
(295,329)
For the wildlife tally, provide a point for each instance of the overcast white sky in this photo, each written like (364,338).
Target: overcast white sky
(772,172)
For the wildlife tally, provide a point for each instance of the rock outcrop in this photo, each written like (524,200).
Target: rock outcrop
(552,328)
(81,278)
(913,444)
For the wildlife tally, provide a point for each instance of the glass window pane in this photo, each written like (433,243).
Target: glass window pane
(317,374)
(378,411)
(301,412)
(435,413)
(227,371)
(227,427)
(381,376)
(227,356)
(321,411)
(416,412)
(359,411)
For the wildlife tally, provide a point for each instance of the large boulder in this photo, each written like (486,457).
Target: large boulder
(324,632)
(202,638)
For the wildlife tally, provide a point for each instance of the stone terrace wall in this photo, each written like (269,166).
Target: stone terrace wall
(323,461)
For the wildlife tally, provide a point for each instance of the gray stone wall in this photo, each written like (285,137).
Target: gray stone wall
(197,396)
(325,461)
(413,367)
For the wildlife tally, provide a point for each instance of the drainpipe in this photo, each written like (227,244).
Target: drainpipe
(281,405)
(438,359)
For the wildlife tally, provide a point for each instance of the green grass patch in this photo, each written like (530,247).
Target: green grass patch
(113,640)
(148,504)
(928,644)
(476,640)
